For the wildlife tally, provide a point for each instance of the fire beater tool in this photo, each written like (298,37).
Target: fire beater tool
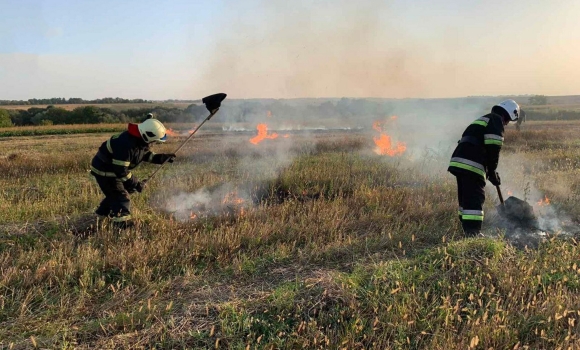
(516,210)
(212,103)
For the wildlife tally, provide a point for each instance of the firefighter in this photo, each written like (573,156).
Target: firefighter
(475,158)
(114,160)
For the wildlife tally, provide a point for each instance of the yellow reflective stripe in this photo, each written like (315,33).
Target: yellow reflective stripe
(125,178)
(121,218)
(493,142)
(480,122)
(102,173)
(468,167)
(472,217)
(121,162)
(109,146)
(150,159)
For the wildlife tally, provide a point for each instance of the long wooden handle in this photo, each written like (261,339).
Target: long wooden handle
(499,194)
(183,143)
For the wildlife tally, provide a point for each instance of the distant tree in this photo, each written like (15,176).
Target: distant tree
(538,100)
(88,115)
(197,111)
(57,115)
(5,120)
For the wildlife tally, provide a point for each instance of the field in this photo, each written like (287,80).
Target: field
(305,241)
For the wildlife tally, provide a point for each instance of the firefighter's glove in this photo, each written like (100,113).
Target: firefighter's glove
(168,157)
(493,177)
(130,184)
(162,158)
(140,186)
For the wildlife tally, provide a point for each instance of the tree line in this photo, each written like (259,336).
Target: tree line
(347,111)
(71,101)
(53,115)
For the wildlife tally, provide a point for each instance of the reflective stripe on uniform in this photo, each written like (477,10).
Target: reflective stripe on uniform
(150,159)
(492,139)
(102,173)
(483,121)
(460,212)
(121,218)
(109,146)
(121,162)
(474,215)
(125,178)
(467,165)
(110,174)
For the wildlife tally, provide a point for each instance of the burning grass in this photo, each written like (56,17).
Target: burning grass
(334,246)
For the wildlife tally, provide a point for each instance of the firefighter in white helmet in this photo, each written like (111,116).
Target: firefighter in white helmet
(475,159)
(114,160)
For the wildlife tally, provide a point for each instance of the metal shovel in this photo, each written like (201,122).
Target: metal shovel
(516,210)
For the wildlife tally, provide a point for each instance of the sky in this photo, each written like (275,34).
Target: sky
(178,49)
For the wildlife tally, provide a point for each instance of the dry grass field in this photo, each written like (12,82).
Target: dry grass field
(307,241)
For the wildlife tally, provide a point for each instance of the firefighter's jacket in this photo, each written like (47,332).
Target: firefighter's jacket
(121,153)
(479,147)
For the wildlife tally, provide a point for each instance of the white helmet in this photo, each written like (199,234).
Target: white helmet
(152,130)
(511,107)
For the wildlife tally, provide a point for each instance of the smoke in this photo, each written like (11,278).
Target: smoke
(226,199)
(256,164)
(519,175)
(322,49)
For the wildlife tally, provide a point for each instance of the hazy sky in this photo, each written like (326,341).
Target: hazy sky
(287,49)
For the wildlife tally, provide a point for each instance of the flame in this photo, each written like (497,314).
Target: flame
(234,203)
(174,133)
(193,216)
(170,132)
(510,193)
(543,202)
(232,198)
(286,136)
(262,134)
(384,144)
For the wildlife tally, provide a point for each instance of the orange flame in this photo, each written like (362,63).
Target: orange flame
(543,202)
(193,216)
(510,193)
(170,132)
(232,198)
(384,144)
(235,203)
(174,133)
(262,134)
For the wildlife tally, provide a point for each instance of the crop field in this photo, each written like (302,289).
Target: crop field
(299,240)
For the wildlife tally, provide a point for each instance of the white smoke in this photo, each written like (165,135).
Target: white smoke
(226,199)
(518,174)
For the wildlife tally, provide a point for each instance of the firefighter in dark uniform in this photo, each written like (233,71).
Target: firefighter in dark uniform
(114,160)
(475,158)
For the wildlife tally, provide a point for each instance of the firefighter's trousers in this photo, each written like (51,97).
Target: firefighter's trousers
(116,204)
(471,195)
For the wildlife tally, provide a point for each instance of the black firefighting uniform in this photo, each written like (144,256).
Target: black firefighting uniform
(112,166)
(476,155)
